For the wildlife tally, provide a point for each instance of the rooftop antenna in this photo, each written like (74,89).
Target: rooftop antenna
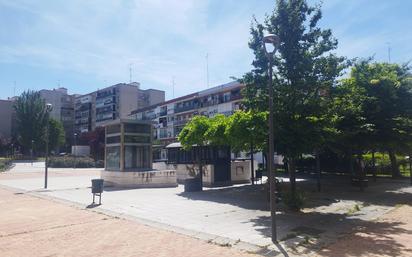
(389,52)
(207,70)
(130,72)
(173,87)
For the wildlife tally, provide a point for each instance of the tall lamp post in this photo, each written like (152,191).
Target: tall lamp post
(75,150)
(49,108)
(32,150)
(270,44)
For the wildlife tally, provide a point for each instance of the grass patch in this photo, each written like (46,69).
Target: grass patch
(356,208)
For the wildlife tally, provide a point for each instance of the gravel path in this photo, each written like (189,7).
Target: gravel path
(30,226)
(391,235)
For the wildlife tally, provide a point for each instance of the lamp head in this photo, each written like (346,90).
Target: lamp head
(270,43)
(49,107)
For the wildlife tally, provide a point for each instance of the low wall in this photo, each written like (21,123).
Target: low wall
(184,171)
(141,179)
(240,171)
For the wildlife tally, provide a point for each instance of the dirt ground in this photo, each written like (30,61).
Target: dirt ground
(391,235)
(30,226)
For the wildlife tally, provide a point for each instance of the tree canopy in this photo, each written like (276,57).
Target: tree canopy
(30,119)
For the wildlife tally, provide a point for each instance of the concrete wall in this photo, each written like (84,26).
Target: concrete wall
(128,100)
(81,150)
(164,178)
(6,113)
(53,97)
(240,171)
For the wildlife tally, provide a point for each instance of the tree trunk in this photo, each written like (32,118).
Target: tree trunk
(318,171)
(351,170)
(360,172)
(374,166)
(292,177)
(394,165)
(410,167)
(199,159)
(252,164)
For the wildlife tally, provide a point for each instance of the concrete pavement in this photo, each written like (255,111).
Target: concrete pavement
(236,216)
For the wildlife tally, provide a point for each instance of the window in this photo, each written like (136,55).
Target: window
(137,128)
(113,129)
(113,140)
(137,157)
(113,158)
(136,139)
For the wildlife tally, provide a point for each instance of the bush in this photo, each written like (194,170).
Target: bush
(78,162)
(5,164)
(294,203)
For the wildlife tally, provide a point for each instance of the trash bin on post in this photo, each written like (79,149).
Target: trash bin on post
(97,189)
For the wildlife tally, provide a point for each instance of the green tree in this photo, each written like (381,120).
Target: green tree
(30,119)
(194,134)
(56,134)
(247,131)
(306,69)
(385,111)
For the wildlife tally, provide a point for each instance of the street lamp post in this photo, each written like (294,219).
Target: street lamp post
(49,108)
(32,150)
(270,44)
(75,150)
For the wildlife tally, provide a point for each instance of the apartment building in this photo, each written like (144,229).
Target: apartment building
(84,112)
(111,103)
(171,116)
(63,108)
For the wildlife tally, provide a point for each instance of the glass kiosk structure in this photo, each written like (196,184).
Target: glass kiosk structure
(128,146)
(128,157)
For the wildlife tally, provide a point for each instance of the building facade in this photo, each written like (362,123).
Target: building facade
(171,116)
(63,108)
(84,112)
(112,103)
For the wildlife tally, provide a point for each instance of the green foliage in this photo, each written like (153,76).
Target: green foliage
(378,111)
(30,119)
(246,130)
(216,132)
(194,132)
(295,202)
(306,70)
(374,106)
(56,134)
(5,164)
(78,162)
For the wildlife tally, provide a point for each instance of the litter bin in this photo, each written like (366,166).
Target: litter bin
(97,188)
(192,185)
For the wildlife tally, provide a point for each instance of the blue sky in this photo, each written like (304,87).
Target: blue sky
(86,45)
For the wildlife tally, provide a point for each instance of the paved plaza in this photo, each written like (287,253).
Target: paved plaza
(235,216)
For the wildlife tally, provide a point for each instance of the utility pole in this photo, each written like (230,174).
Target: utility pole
(173,87)
(130,72)
(389,52)
(207,70)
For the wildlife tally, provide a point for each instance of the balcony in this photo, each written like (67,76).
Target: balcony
(180,122)
(185,108)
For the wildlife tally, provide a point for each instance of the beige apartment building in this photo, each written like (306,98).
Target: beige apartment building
(111,103)
(63,108)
